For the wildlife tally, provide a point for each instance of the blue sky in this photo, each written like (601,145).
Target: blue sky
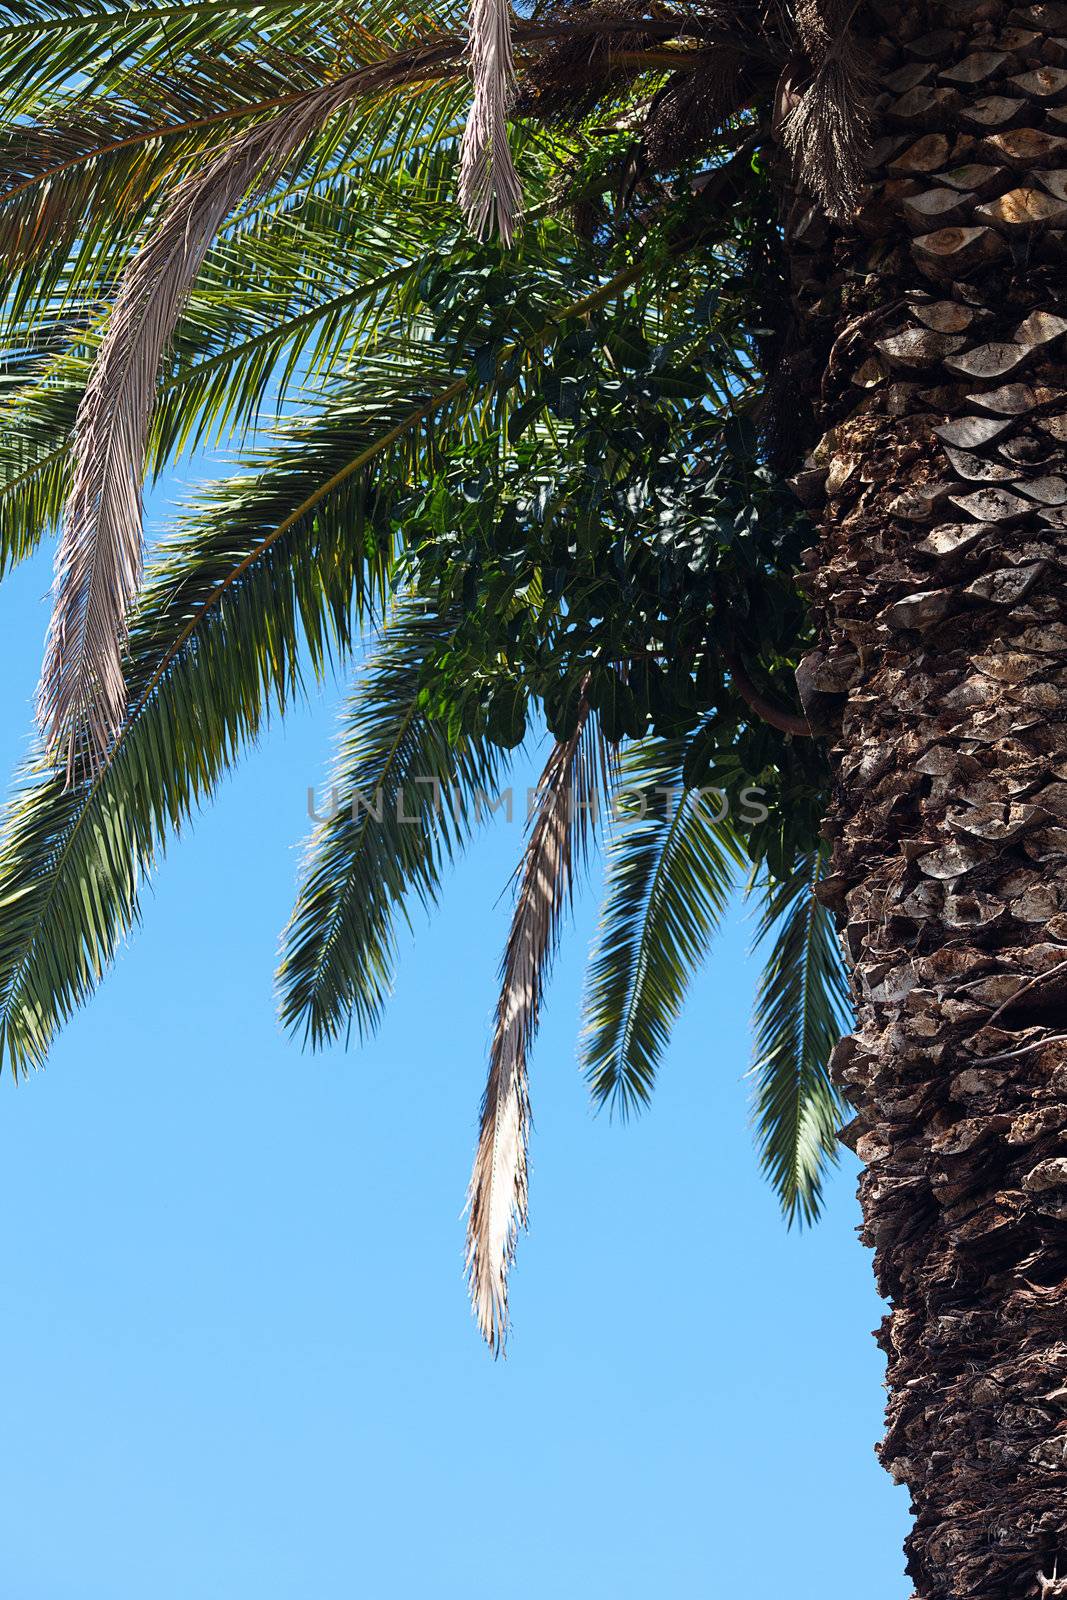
(238,1359)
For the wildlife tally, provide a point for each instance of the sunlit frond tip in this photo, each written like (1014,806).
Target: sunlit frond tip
(670,871)
(801,1012)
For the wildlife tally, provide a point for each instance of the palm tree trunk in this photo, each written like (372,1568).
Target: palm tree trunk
(940,487)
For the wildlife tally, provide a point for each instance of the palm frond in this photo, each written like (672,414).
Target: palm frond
(45,44)
(85,180)
(497,1198)
(671,867)
(98,566)
(35,423)
(286,304)
(272,562)
(489,188)
(404,799)
(801,1012)
(273,568)
(89,157)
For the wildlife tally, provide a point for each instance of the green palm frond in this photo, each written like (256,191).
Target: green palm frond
(801,1012)
(35,423)
(89,156)
(296,292)
(291,304)
(89,142)
(301,298)
(404,800)
(276,566)
(48,43)
(82,181)
(491,435)
(273,563)
(670,870)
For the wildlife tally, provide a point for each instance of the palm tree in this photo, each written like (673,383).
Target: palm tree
(509,461)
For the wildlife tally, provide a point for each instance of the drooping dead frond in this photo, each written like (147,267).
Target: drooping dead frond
(81,698)
(489,188)
(565,808)
(827,127)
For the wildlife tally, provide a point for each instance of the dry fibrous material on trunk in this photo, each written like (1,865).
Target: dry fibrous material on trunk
(826,123)
(940,482)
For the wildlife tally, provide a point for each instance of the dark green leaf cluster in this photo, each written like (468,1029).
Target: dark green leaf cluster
(617,528)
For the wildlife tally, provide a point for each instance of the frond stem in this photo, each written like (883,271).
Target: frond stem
(784,721)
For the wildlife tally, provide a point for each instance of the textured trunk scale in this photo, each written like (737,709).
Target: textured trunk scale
(940,489)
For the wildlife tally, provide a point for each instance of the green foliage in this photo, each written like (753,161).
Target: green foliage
(403,800)
(671,867)
(297,291)
(275,569)
(535,477)
(801,1011)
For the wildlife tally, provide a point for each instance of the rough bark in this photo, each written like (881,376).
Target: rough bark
(940,488)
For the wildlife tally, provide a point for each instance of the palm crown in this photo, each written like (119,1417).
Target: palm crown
(544,475)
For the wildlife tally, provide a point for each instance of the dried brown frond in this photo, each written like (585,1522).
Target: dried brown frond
(567,800)
(490,193)
(717,60)
(827,129)
(581,68)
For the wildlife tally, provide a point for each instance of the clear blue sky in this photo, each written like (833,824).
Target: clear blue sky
(238,1361)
